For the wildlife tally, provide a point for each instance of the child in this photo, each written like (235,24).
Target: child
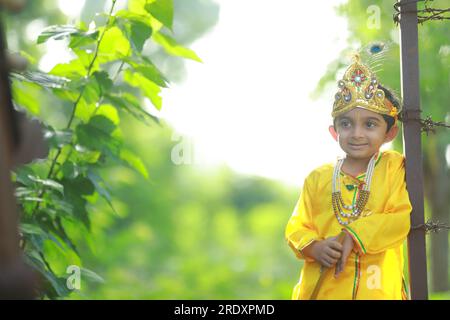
(363,195)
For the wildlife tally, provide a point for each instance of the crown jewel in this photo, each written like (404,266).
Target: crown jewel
(359,88)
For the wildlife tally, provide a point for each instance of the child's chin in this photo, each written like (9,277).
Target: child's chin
(358,154)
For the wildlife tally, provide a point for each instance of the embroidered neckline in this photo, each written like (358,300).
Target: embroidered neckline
(362,174)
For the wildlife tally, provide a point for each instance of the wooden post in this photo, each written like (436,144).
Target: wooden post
(16,280)
(413,148)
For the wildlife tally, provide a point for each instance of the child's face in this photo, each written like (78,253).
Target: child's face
(361,133)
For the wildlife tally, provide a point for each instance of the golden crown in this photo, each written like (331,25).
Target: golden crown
(359,88)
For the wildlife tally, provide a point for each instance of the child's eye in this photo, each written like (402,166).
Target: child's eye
(371,124)
(345,124)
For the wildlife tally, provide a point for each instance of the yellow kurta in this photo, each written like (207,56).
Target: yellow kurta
(374,269)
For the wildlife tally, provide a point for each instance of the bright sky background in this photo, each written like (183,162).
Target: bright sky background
(247,106)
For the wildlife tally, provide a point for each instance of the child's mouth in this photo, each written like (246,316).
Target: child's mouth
(357,146)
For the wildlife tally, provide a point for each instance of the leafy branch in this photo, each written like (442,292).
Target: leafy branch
(54,193)
(89,70)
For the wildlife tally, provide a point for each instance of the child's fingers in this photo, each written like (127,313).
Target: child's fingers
(336,272)
(328,261)
(339,268)
(325,261)
(341,264)
(333,253)
(335,245)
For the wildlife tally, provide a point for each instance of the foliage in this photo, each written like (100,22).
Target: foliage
(106,80)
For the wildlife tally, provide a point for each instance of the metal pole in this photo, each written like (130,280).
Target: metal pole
(413,148)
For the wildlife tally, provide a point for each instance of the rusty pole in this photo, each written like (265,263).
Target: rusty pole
(16,280)
(413,147)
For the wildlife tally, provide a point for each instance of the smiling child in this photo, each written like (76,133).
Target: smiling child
(363,195)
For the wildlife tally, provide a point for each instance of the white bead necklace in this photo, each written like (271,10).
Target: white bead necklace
(363,195)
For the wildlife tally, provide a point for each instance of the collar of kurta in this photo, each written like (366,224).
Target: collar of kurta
(352,182)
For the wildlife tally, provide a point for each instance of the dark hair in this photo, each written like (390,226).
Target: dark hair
(392,99)
(395,102)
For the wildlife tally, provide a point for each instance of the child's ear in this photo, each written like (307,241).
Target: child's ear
(392,133)
(333,133)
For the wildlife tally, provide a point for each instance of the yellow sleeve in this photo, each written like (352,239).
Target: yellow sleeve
(300,231)
(384,230)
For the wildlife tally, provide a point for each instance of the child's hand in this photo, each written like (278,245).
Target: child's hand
(326,252)
(347,247)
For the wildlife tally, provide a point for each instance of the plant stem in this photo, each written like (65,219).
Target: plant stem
(72,116)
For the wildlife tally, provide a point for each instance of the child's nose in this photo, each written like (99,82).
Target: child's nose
(358,131)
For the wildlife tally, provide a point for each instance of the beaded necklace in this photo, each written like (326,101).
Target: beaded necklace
(363,195)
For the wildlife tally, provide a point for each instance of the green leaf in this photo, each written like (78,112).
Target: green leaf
(55,240)
(75,190)
(91,275)
(84,110)
(113,46)
(74,69)
(137,7)
(101,188)
(58,32)
(27,228)
(57,138)
(152,74)
(84,155)
(149,88)
(27,95)
(79,40)
(31,59)
(80,186)
(66,94)
(32,199)
(170,45)
(61,232)
(141,16)
(135,29)
(104,82)
(149,71)
(90,97)
(88,60)
(48,183)
(134,161)
(70,170)
(40,167)
(101,128)
(161,10)
(109,112)
(44,221)
(40,78)
(92,89)
(61,206)
(22,192)
(132,105)
(53,286)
